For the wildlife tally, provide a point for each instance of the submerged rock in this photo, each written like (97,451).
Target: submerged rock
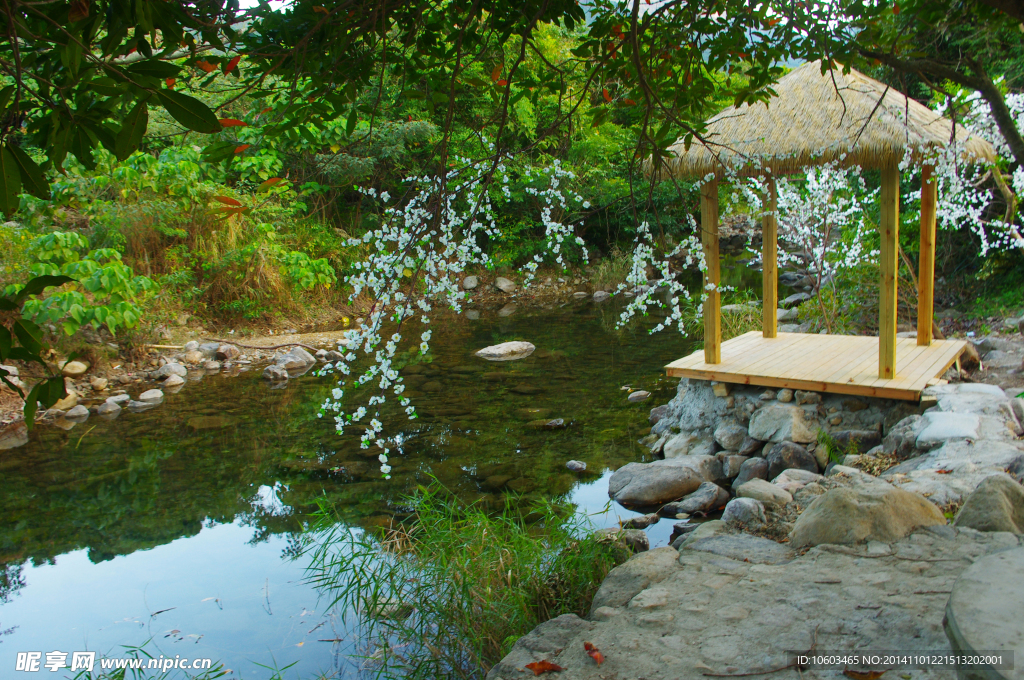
(506,351)
(275,373)
(576,465)
(652,483)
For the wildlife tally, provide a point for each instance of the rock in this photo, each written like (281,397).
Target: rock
(901,441)
(751,446)
(864,512)
(778,422)
(99,384)
(470,283)
(140,406)
(641,522)
(657,413)
(940,426)
(752,468)
(11,370)
(74,369)
(193,357)
(688,444)
(109,409)
(1016,469)
(174,381)
(334,355)
(212,366)
(763,491)
(170,369)
(601,296)
(983,613)
(295,359)
(708,467)
(634,539)
(542,642)
(507,310)
(731,463)
(996,505)
(506,351)
(504,285)
(794,479)
(652,483)
(744,548)
(580,294)
(275,373)
(16,434)
(190,346)
(791,314)
(209,349)
(151,395)
(473,314)
(786,455)
(785,395)
(707,498)
(639,395)
(627,580)
(227,353)
(730,435)
(746,512)
(119,399)
(861,440)
(77,413)
(807,397)
(794,299)
(67,402)
(576,465)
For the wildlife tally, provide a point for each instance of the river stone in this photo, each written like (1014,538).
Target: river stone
(634,539)
(688,444)
(657,413)
(170,369)
(707,498)
(794,479)
(639,395)
(275,373)
(652,483)
(506,351)
(744,548)
(791,314)
(212,365)
(576,465)
(74,369)
(209,349)
(625,581)
(863,440)
(99,384)
(227,352)
(778,422)
(745,511)
(731,463)
(996,505)
(77,413)
(109,409)
(766,492)
(507,310)
(140,406)
(601,295)
(119,399)
(641,522)
(752,468)
(730,435)
(15,435)
(751,447)
(864,512)
(470,282)
(786,455)
(191,346)
(151,395)
(295,359)
(504,285)
(193,357)
(940,426)
(794,299)
(174,381)
(983,613)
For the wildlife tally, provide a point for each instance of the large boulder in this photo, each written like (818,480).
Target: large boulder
(295,359)
(763,491)
(787,455)
(862,440)
(653,483)
(863,512)
(778,422)
(940,426)
(689,444)
(275,373)
(746,512)
(504,285)
(707,498)
(170,369)
(996,505)
(227,352)
(507,351)
(752,468)
(626,580)
(730,435)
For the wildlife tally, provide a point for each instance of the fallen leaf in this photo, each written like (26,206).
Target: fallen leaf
(544,666)
(594,653)
(863,675)
(942,472)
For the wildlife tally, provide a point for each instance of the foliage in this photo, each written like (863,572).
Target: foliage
(447,593)
(836,453)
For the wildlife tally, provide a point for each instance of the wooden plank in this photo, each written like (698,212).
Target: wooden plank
(938,362)
(835,353)
(889,230)
(926,260)
(792,345)
(735,345)
(830,388)
(712,277)
(770,264)
(862,358)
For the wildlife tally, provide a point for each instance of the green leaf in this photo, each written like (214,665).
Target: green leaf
(10,183)
(32,178)
(29,335)
(153,68)
(5,96)
(41,283)
(130,135)
(81,146)
(189,111)
(350,124)
(6,342)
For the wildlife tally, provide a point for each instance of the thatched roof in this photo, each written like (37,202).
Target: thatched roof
(816,120)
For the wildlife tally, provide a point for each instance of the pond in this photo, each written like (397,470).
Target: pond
(178,526)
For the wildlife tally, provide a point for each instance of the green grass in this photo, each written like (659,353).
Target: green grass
(447,593)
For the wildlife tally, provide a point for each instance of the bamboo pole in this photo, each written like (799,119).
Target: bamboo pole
(889,228)
(770,264)
(712,277)
(926,261)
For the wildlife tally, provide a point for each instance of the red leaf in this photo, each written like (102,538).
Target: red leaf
(233,122)
(594,653)
(942,472)
(266,110)
(206,66)
(496,73)
(501,83)
(895,9)
(410,117)
(629,101)
(773,22)
(227,200)
(604,93)
(269,183)
(543,666)
(170,82)
(321,9)
(241,148)
(230,66)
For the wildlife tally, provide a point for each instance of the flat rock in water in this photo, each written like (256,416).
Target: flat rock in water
(641,522)
(707,498)
(576,465)
(601,296)
(13,435)
(652,483)
(170,369)
(151,395)
(108,408)
(275,373)
(295,359)
(119,399)
(174,381)
(639,395)
(79,412)
(744,548)
(506,351)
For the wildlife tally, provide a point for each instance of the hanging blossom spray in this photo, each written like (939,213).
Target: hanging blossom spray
(415,263)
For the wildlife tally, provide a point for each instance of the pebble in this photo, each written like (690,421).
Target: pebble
(576,465)
(639,395)
(174,381)
(151,395)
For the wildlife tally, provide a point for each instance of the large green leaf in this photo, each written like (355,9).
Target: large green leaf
(10,183)
(154,68)
(130,135)
(189,111)
(37,285)
(29,335)
(32,178)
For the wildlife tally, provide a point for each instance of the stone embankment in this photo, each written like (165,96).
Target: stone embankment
(846,524)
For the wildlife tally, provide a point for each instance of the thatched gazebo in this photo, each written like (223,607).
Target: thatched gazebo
(818,118)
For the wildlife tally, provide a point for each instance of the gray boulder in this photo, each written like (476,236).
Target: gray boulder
(996,505)
(751,447)
(625,581)
(752,468)
(542,642)
(686,444)
(78,412)
(191,346)
(226,352)
(470,282)
(744,548)
(275,373)
(763,491)
(170,369)
(152,396)
(940,426)
(109,409)
(863,512)
(707,498)
(652,483)
(863,440)
(295,359)
(507,351)
(209,349)
(746,512)
(730,435)
(778,422)
(786,455)
(504,285)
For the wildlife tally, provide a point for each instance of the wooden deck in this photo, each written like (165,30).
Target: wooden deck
(843,364)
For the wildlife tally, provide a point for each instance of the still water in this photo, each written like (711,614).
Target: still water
(178,527)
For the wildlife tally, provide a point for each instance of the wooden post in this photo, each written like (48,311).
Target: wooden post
(713,305)
(770,264)
(926,261)
(889,229)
